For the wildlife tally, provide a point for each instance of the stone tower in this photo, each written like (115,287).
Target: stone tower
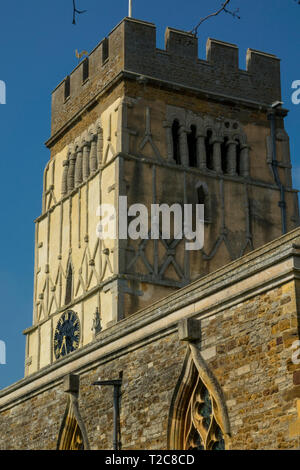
(164,127)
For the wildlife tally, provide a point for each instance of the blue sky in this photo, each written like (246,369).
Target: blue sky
(37,44)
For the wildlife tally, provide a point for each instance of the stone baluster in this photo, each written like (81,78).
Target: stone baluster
(64,185)
(201,152)
(86,163)
(99,145)
(231,152)
(217,157)
(71,172)
(183,146)
(78,169)
(93,155)
(245,162)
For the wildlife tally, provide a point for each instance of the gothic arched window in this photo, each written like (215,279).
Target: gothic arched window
(192,146)
(209,151)
(176,146)
(201,431)
(198,418)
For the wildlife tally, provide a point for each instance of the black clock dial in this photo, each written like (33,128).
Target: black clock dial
(67,334)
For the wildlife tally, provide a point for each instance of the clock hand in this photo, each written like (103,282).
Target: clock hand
(63,344)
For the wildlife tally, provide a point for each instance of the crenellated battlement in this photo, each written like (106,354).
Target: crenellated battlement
(131,49)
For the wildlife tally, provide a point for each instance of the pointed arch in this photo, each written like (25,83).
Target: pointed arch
(72,433)
(198,417)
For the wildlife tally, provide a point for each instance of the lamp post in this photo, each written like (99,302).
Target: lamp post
(117,386)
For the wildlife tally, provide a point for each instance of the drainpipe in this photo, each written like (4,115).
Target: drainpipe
(274,164)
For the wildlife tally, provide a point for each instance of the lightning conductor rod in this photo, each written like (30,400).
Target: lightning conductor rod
(130,9)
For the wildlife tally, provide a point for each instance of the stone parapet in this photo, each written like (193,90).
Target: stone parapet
(130,50)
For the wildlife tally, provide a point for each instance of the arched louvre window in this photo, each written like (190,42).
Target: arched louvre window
(69,285)
(209,151)
(176,145)
(192,146)
(224,155)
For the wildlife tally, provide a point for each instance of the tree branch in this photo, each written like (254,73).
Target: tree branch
(75,11)
(224,9)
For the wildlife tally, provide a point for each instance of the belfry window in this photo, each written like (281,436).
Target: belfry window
(176,146)
(224,155)
(69,285)
(192,146)
(209,150)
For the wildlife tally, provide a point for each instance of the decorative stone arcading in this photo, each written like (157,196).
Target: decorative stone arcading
(93,155)
(201,152)
(84,158)
(245,162)
(78,169)
(71,171)
(232,157)
(64,185)
(220,131)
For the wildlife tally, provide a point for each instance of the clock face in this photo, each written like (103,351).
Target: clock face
(67,334)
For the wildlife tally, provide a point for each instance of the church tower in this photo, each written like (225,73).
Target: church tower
(159,127)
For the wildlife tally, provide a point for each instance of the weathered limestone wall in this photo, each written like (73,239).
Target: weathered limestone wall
(249,320)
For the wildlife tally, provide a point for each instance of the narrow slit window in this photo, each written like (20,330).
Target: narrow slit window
(192,146)
(105,50)
(69,285)
(67,87)
(209,151)
(85,69)
(175,137)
